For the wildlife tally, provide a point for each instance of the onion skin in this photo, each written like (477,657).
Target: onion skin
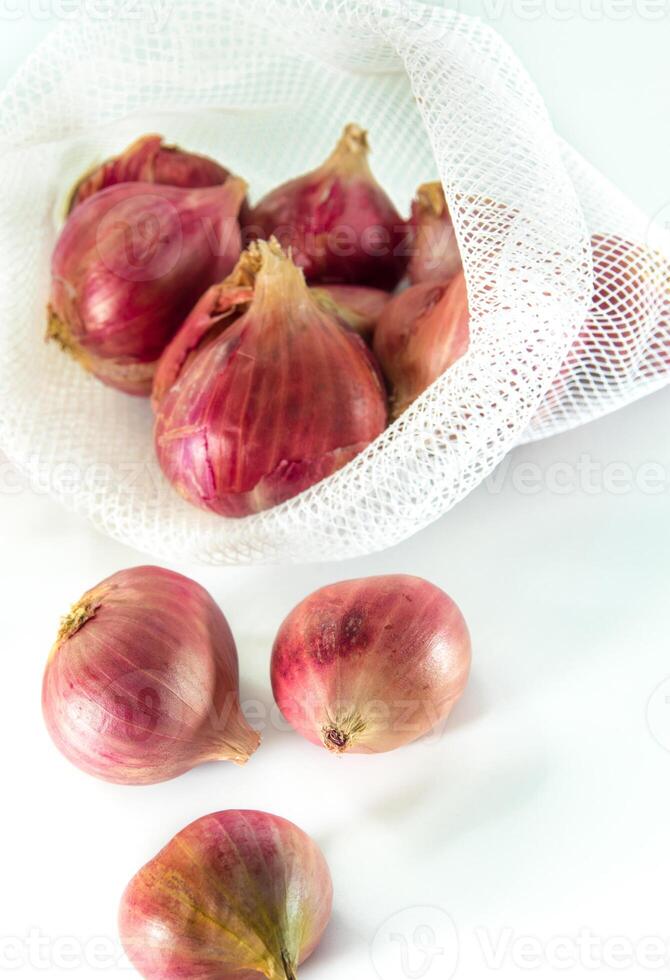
(421,333)
(128,266)
(435,256)
(236,895)
(150,161)
(340,224)
(370,664)
(278,401)
(142,682)
(357,307)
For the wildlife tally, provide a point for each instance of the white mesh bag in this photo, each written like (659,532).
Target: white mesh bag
(265,86)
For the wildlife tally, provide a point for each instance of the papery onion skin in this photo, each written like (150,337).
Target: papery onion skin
(422,332)
(435,256)
(236,895)
(357,307)
(150,160)
(370,664)
(340,224)
(282,398)
(142,682)
(128,266)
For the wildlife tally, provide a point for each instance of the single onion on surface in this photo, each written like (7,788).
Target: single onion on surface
(142,682)
(128,266)
(251,412)
(339,223)
(435,256)
(370,664)
(236,895)
(357,307)
(421,333)
(150,161)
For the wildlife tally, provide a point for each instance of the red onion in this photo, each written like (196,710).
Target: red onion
(236,895)
(151,161)
(340,224)
(370,664)
(420,334)
(435,256)
(142,682)
(357,307)
(277,401)
(128,266)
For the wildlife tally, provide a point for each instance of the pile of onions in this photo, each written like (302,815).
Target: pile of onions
(370,664)
(142,682)
(235,895)
(269,367)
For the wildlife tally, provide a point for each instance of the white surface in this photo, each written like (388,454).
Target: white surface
(542,811)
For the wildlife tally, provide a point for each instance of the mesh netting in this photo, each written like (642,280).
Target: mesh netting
(266,88)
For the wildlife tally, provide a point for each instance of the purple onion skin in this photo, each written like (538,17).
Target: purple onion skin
(130,263)
(370,664)
(150,161)
(236,895)
(357,307)
(142,682)
(340,224)
(282,398)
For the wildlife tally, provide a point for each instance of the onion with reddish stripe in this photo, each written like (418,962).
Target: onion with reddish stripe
(370,664)
(142,682)
(340,224)
(129,265)
(422,332)
(150,160)
(236,895)
(252,409)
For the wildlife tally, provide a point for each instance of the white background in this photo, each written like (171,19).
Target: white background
(542,812)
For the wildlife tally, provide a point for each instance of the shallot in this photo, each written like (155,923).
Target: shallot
(128,266)
(370,664)
(236,895)
(142,682)
(339,223)
(421,333)
(435,256)
(253,409)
